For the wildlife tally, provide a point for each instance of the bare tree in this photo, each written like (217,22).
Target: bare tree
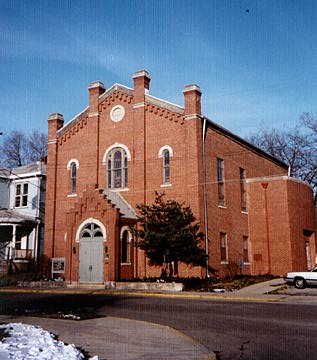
(37,146)
(296,147)
(19,149)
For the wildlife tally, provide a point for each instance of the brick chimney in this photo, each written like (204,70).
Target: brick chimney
(192,95)
(55,122)
(141,81)
(96,88)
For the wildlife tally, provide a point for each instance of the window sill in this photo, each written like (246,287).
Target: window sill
(244,212)
(222,206)
(119,189)
(21,207)
(247,263)
(125,264)
(166,185)
(224,262)
(71,195)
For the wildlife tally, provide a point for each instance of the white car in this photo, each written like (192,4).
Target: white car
(301,279)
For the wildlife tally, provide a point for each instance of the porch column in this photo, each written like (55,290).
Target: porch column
(36,239)
(13,241)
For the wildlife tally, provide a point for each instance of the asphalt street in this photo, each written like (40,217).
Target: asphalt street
(232,329)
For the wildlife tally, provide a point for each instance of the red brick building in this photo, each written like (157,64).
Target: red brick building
(128,143)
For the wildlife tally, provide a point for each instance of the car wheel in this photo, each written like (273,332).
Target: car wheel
(300,283)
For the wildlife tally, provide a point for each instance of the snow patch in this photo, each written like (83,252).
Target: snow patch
(27,342)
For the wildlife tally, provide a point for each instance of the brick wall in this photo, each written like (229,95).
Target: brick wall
(148,125)
(280,210)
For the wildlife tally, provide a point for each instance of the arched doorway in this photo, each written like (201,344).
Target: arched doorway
(91,239)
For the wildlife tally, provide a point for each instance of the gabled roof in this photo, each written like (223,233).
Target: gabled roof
(164,104)
(75,120)
(244,142)
(4,173)
(36,167)
(115,87)
(173,108)
(120,203)
(14,217)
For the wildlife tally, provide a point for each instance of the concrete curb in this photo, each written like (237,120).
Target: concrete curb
(182,295)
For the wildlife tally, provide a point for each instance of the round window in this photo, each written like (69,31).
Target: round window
(117,113)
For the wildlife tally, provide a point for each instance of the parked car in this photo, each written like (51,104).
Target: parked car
(301,279)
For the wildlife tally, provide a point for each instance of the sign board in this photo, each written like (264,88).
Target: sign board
(58,265)
(240,263)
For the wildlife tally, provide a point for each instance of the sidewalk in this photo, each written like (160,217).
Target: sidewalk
(262,289)
(121,339)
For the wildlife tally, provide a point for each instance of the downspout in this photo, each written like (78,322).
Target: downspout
(205,198)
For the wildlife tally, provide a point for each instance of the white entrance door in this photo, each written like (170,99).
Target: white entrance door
(91,254)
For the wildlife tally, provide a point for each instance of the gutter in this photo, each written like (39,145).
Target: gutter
(205,196)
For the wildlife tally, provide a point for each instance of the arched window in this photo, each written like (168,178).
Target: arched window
(91,231)
(117,168)
(166,152)
(125,246)
(72,167)
(166,167)
(73,177)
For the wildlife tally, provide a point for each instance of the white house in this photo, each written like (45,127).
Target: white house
(22,205)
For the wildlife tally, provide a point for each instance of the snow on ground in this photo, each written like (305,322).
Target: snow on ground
(27,342)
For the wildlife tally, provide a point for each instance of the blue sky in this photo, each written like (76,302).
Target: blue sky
(254,68)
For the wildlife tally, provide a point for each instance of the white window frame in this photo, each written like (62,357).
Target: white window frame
(224,261)
(124,149)
(70,167)
(161,154)
(129,241)
(243,190)
(21,195)
(245,237)
(221,183)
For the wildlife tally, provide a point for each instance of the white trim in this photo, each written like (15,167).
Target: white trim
(73,161)
(93,114)
(166,185)
(90,221)
(73,119)
(192,117)
(138,105)
(104,159)
(277,178)
(165,147)
(118,189)
(121,115)
(177,108)
(141,73)
(72,195)
(191,87)
(96,84)
(123,229)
